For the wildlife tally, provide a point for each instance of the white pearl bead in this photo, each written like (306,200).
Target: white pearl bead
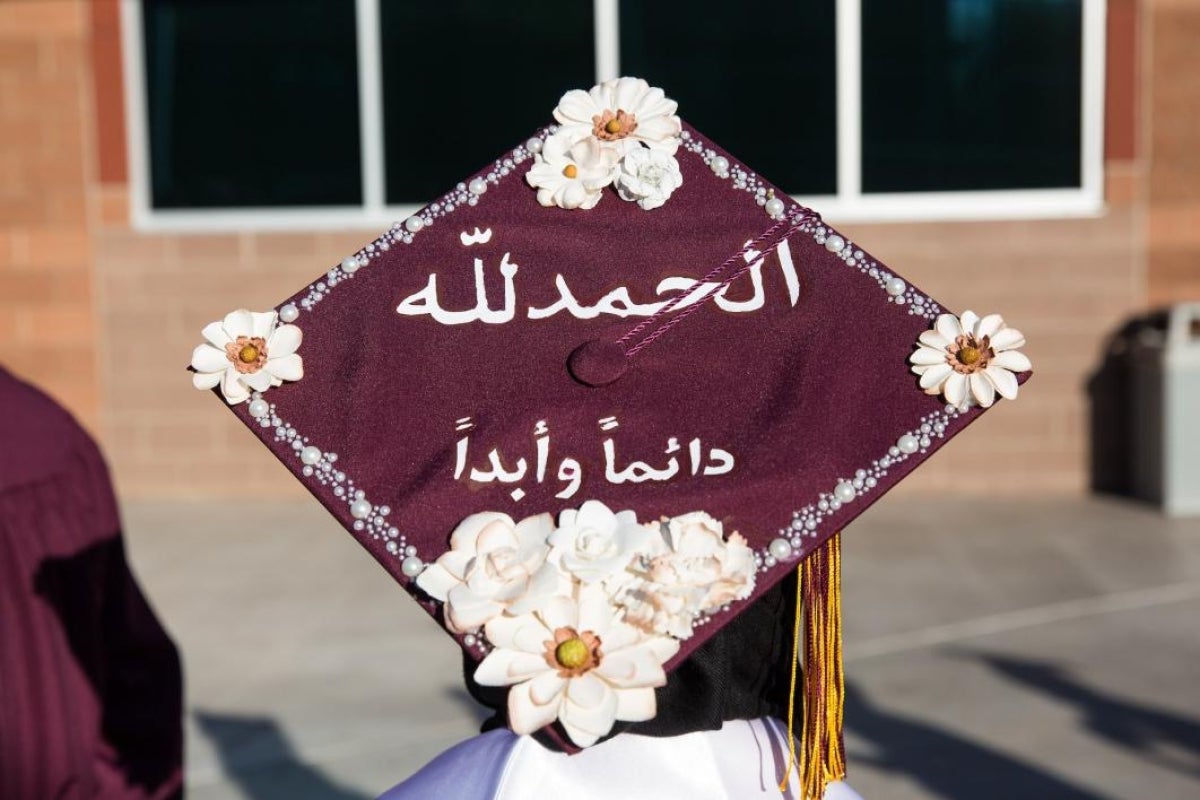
(895,287)
(478,186)
(780,548)
(310,455)
(412,566)
(259,408)
(720,164)
(774,207)
(844,492)
(414,224)
(350,265)
(360,509)
(835,243)
(393,548)
(908,444)
(534,145)
(289,313)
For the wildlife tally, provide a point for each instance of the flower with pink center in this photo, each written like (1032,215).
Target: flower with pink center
(970,360)
(247,352)
(573,660)
(624,114)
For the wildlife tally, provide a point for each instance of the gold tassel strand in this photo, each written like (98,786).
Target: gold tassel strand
(822,750)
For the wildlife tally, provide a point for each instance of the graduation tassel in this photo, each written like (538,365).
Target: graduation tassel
(822,757)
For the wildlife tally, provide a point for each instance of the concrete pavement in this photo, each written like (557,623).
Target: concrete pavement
(995,649)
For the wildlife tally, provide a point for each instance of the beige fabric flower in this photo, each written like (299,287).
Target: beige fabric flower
(970,360)
(246,352)
(573,660)
(571,173)
(623,113)
(493,565)
(693,570)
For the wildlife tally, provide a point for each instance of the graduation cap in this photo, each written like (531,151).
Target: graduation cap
(602,395)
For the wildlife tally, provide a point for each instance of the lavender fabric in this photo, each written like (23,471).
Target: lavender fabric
(470,770)
(90,687)
(746,759)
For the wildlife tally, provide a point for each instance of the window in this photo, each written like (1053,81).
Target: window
(967,95)
(250,107)
(246,117)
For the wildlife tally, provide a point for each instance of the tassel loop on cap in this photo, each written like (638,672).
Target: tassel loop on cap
(822,748)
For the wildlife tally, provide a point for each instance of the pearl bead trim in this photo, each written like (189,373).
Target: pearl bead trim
(466,193)
(319,467)
(807,521)
(740,178)
(897,290)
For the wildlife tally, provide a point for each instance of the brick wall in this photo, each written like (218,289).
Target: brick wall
(1173,132)
(1066,283)
(164,437)
(47,325)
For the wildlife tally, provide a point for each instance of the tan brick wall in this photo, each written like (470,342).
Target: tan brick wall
(163,436)
(1066,284)
(1173,124)
(47,327)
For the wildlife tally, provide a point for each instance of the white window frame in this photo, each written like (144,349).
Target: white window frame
(849,204)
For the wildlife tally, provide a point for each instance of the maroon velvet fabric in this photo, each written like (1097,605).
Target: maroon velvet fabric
(90,688)
(801,395)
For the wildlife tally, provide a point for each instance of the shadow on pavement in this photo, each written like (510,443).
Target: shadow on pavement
(1161,737)
(257,756)
(945,764)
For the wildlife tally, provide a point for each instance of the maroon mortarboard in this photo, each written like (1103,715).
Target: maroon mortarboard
(592,402)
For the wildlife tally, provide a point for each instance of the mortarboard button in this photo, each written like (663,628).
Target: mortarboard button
(597,362)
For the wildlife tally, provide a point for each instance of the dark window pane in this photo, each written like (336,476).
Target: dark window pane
(759,78)
(971,94)
(252,103)
(465,81)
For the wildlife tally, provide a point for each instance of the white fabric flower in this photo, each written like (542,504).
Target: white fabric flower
(648,177)
(693,570)
(571,173)
(574,661)
(621,113)
(493,565)
(247,353)
(970,360)
(594,544)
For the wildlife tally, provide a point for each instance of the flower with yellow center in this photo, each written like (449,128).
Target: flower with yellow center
(571,174)
(573,660)
(969,359)
(247,352)
(573,652)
